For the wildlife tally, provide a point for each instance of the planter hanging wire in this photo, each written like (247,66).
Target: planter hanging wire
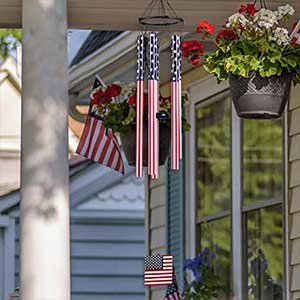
(160,13)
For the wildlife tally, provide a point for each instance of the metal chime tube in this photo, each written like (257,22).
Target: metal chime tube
(176,124)
(140,106)
(180,95)
(153,123)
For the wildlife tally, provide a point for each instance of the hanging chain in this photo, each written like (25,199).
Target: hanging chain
(262,3)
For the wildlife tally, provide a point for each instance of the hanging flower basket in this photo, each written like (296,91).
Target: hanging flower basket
(259,97)
(257,54)
(115,105)
(128,140)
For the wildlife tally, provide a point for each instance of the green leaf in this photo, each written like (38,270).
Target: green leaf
(130,118)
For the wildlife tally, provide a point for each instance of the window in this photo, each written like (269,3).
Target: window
(241,160)
(213,130)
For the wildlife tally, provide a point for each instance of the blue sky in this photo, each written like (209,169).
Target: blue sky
(75,40)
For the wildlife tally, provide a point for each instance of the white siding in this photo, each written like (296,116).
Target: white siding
(294,191)
(156,226)
(107,260)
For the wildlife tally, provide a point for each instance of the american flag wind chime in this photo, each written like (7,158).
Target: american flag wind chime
(148,44)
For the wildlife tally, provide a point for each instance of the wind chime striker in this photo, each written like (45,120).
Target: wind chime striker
(159,13)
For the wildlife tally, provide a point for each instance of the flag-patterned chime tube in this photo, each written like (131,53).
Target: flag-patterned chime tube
(176,123)
(153,108)
(153,104)
(140,106)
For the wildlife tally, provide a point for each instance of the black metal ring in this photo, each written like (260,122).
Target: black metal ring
(171,20)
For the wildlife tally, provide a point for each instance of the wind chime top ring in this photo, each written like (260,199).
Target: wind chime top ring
(160,20)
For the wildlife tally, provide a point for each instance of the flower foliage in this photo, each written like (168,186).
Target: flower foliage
(115,105)
(206,284)
(253,40)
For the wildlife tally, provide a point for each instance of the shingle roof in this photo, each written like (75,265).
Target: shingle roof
(94,41)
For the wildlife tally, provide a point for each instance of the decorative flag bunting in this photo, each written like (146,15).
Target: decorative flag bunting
(158,270)
(176,124)
(97,144)
(153,122)
(173,292)
(140,106)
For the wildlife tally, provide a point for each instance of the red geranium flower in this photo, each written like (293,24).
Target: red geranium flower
(249,9)
(194,60)
(206,26)
(191,47)
(97,97)
(227,34)
(132,100)
(113,90)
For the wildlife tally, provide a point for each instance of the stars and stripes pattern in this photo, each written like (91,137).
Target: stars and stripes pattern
(158,270)
(173,292)
(153,123)
(140,105)
(97,143)
(296,32)
(176,123)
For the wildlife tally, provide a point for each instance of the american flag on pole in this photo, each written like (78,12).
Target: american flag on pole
(173,292)
(153,124)
(158,270)
(295,35)
(98,144)
(176,124)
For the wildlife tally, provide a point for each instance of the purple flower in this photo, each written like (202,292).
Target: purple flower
(205,251)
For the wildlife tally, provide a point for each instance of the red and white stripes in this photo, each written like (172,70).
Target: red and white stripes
(176,111)
(139,128)
(153,107)
(140,107)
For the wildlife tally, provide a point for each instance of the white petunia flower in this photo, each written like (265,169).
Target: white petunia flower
(265,18)
(286,10)
(281,36)
(236,20)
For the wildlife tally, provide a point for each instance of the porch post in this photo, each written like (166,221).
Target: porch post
(45,251)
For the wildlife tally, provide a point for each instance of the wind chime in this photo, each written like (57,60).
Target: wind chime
(148,57)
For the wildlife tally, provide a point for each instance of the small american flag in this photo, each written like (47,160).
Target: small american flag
(98,144)
(158,270)
(296,31)
(173,292)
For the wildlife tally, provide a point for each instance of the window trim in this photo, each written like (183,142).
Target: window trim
(202,93)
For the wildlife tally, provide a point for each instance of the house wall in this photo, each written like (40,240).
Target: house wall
(10,128)
(156,229)
(106,259)
(294,192)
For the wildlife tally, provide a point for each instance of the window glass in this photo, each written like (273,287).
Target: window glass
(216,235)
(263,160)
(265,253)
(213,157)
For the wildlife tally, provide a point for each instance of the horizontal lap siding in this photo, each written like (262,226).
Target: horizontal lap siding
(294,190)
(156,227)
(107,260)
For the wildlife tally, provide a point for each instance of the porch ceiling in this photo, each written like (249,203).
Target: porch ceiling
(123,14)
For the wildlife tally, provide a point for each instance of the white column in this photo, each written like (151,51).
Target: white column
(45,251)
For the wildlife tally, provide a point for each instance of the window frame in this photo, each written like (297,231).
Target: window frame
(202,93)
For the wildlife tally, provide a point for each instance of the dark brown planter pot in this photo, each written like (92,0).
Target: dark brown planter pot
(260,98)
(128,140)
